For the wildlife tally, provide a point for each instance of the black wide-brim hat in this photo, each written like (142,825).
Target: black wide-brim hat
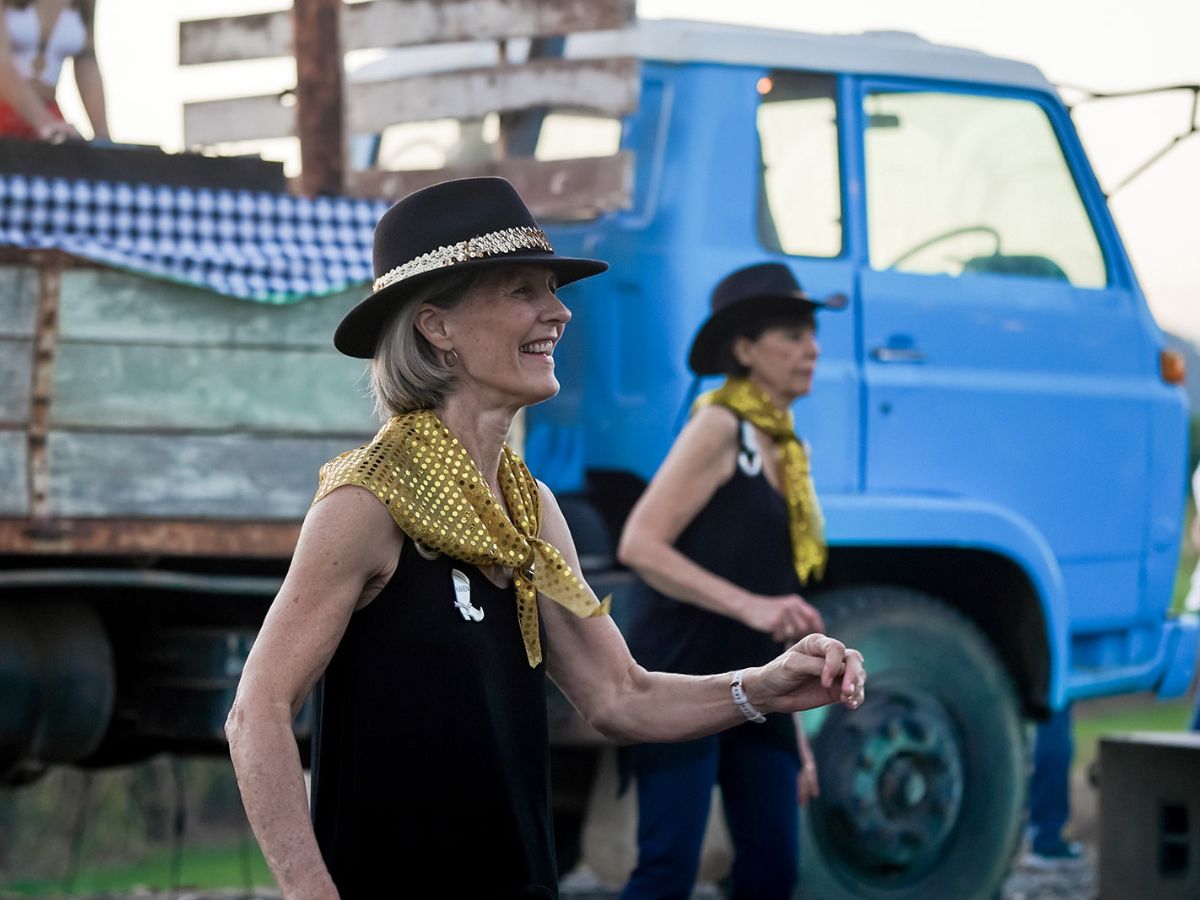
(746,297)
(456,226)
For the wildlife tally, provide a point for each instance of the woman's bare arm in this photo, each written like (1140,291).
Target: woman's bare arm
(701,460)
(590,662)
(18,93)
(347,549)
(88,78)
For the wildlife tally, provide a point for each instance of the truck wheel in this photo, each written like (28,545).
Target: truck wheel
(923,788)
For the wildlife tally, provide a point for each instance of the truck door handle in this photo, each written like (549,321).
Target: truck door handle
(898,355)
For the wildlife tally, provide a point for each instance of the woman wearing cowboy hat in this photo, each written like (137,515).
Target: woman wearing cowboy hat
(432,579)
(723,538)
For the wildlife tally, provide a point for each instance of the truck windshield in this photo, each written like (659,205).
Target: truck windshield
(962,184)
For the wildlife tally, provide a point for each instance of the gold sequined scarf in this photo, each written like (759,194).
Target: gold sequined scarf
(806,524)
(436,494)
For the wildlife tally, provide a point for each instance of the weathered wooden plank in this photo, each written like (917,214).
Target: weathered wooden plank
(208,389)
(18,300)
(320,113)
(198,476)
(607,86)
(108,305)
(189,537)
(155,537)
(14,481)
(553,189)
(399,23)
(16,377)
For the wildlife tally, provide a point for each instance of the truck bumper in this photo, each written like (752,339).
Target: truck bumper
(1179,661)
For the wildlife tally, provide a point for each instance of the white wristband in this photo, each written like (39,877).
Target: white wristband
(739,699)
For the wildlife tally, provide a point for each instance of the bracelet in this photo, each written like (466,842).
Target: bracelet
(740,701)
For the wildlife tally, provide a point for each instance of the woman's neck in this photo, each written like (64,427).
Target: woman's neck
(480,430)
(781,401)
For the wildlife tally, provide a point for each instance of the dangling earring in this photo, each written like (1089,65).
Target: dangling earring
(450,358)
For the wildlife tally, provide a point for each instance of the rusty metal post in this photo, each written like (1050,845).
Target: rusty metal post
(49,270)
(320,113)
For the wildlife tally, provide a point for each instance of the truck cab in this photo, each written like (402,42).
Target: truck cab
(1000,461)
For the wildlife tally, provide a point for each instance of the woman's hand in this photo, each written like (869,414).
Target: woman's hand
(786,619)
(56,131)
(812,672)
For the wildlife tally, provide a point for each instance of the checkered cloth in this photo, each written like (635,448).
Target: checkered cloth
(275,248)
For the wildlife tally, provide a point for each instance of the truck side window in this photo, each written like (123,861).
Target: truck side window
(800,203)
(965,184)
(577,136)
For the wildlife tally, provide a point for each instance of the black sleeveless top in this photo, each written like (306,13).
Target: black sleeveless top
(742,535)
(430,751)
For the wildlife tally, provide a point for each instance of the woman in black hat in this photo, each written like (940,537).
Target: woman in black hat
(723,538)
(432,573)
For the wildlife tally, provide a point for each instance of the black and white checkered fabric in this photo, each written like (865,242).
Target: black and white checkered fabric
(275,248)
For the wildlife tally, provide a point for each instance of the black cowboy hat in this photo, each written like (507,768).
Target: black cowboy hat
(470,223)
(745,297)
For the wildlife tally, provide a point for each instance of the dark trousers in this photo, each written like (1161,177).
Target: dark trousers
(1050,784)
(758,789)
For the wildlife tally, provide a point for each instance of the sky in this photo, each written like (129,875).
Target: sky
(1102,45)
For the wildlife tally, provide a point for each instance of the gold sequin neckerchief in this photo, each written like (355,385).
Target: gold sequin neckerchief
(807,526)
(436,494)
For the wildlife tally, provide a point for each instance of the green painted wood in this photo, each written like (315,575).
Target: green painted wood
(16,377)
(209,389)
(108,305)
(235,477)
(18,300)
(14,489)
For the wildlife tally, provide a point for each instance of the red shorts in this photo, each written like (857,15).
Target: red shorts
(12,125)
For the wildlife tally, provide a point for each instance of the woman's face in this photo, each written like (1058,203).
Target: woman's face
(504,332)
(782,359)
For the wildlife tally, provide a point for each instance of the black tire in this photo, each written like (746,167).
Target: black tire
(923,788)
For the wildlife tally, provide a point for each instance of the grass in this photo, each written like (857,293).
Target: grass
(1138,712)
(220,866)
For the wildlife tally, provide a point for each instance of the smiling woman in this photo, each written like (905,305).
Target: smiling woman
(432,578)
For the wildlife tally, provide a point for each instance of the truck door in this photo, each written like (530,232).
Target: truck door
(1004,343)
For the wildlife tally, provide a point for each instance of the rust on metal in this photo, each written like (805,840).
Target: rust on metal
(157,537)
(44,341)
(321,111)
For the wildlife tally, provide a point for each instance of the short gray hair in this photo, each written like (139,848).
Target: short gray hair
(407,371)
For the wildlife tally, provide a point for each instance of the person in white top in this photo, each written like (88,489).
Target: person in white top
(36,37)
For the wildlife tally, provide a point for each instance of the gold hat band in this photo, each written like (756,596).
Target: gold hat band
(494,243)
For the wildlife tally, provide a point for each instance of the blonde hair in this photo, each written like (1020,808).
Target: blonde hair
(407,371)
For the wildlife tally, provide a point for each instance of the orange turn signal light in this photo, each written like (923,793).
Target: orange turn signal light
(1172,366)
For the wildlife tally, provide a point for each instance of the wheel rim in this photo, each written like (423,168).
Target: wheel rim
(891,785)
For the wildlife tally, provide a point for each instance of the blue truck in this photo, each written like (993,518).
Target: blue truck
(998,436)
(999,456)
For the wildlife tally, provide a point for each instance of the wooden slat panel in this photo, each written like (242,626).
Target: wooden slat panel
(107,305)
(399,23)
(201,476)
(555,189)
(208,389)
(16,377)
(14,482)
(18,300)
(608,86)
